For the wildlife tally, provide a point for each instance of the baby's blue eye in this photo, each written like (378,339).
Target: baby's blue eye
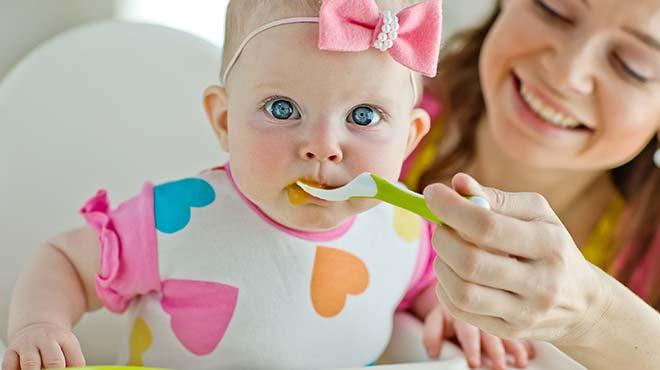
(282,109)
(364,116)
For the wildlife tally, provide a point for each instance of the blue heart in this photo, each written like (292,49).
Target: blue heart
(173,201)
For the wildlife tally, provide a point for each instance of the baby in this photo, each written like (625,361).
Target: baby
(235,267)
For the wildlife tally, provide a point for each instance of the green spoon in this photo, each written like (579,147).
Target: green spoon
(368,185)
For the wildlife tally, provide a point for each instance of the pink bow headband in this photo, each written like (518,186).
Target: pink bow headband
(411,37)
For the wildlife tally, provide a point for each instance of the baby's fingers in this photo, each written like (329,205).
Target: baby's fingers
(30,359)
(72,352)
(469,338)
(519,352)
(529,346)
(434,333)
(10,361)
(495,350)
(51,354)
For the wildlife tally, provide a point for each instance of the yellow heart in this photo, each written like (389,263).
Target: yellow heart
(336,275)
(140,341)
(408,226)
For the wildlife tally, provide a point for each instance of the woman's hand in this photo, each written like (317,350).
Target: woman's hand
(43,346)
(439,326)
(513,271)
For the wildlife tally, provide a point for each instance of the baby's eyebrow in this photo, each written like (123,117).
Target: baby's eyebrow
(354,96)
(372,97)
(267,86)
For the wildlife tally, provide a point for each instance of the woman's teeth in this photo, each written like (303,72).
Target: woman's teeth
(550,115)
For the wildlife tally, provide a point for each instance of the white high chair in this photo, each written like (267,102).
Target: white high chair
(105,105)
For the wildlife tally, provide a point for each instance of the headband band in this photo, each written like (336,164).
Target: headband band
(281,22)
(411,37)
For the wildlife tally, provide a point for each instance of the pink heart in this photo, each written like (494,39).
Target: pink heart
(200,312)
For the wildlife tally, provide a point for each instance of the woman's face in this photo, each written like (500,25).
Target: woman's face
(573,84)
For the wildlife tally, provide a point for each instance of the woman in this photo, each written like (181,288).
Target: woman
(556,102)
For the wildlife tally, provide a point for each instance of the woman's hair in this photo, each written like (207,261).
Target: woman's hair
(459,89)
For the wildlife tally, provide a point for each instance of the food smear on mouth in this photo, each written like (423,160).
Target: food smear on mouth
(298,196)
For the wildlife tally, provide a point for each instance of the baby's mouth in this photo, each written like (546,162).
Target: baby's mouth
(298,196)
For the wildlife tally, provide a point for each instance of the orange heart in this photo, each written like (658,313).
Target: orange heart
(336,274)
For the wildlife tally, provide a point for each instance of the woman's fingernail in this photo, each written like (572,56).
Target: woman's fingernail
(474,187)
(480,201)
(429,191)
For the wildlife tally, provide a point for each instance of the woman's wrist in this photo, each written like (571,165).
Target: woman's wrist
(623,336)
(598,304)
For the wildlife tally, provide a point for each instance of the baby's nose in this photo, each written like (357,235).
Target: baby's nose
(322,145)
(328,154)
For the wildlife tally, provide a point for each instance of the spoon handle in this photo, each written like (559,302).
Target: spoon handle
(413,202)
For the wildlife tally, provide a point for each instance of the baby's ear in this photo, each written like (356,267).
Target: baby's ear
(420,124)
(215,103)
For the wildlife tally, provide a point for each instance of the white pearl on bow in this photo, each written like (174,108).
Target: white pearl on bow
(388,34)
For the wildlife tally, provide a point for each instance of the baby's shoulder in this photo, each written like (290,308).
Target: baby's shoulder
(200,184)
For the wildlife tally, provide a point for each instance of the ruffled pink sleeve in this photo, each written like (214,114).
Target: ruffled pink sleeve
(129,258)
(424,274)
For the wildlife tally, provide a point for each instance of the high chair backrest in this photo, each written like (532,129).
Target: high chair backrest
(107,105)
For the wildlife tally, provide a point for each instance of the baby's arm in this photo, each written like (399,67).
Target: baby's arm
(50,296)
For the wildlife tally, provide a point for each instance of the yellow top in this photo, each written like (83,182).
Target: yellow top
(600,249)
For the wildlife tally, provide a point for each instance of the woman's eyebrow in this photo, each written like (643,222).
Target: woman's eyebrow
(643,37)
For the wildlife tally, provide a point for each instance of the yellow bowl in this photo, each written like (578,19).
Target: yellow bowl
(114,368)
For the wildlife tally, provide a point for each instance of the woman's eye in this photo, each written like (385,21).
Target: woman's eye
(550,11)
(629,71)
(282,109)
(364,116)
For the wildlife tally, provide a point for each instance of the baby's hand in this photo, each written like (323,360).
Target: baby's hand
(43,346)
(439,325)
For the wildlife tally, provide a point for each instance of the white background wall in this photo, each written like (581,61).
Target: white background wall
(461,13)
(204,18)
(24,24)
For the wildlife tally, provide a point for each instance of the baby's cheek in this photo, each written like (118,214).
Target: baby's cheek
(385,159)
(261,160)
(270,155)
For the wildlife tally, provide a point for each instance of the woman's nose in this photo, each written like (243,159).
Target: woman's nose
(571,66)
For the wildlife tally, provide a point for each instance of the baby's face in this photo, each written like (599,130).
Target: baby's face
(295,112)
